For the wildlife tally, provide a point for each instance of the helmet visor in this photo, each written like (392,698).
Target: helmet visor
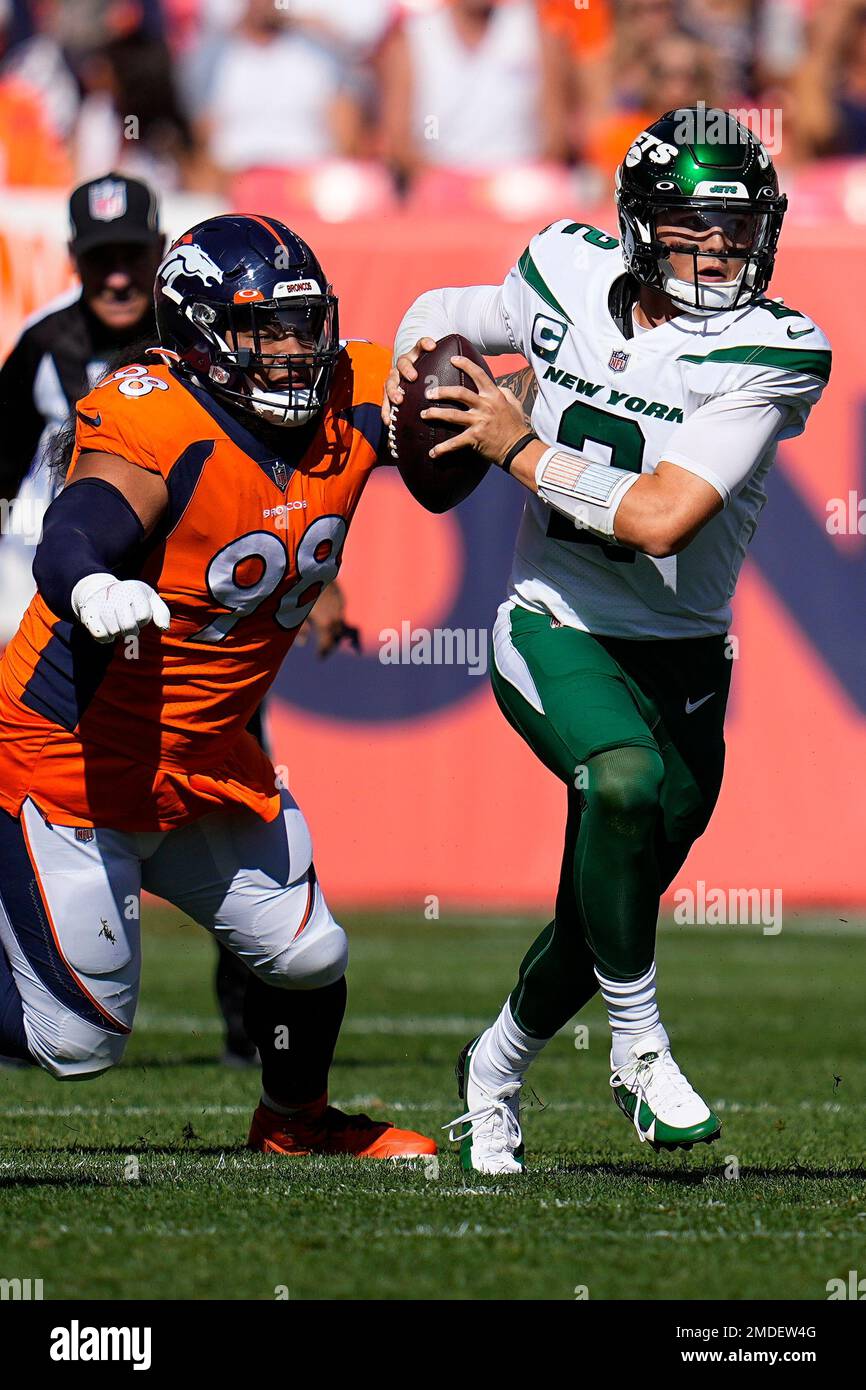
(710,229)
(282,340)
(709,255)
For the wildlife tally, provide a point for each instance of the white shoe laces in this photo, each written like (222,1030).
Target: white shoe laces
(662,1077)
(504,1126)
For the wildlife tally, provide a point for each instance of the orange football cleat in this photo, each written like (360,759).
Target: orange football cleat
(318,1128)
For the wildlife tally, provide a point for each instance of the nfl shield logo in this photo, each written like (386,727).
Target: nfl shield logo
(107,200)
(281,477)
(83,834)
(618,360)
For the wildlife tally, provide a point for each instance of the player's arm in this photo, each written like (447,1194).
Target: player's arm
(657,513)
(92,534)
(477,312)
(22,422)
(496,318)
(523,385)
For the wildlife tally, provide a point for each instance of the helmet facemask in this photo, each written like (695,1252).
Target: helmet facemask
(252,367)
(720,279)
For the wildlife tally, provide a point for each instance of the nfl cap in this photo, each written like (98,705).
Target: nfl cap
(112,209)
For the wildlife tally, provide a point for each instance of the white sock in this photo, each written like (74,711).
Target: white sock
(633,1013)
(504,1052)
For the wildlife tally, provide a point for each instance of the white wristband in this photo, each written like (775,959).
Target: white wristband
(587,493)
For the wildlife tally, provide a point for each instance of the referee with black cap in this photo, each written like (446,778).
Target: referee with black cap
(116,245)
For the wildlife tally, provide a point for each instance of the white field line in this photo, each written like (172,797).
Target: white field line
(836,922)
(168,1230)
(590,1107)
(431,1233)
(827,922)
(451,1025)
(846,923)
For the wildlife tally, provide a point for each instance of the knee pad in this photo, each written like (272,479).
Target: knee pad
(307,954)
(77,1051)
(319,961)
(624,785)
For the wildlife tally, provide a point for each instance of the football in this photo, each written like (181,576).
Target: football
(438,484)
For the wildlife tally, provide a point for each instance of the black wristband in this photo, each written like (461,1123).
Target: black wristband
(516,449)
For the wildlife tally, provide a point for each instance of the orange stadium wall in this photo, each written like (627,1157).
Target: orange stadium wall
(413,784)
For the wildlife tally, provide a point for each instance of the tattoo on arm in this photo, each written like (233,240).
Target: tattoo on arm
(524,384)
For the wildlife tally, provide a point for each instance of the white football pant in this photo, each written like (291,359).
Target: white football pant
(70,918)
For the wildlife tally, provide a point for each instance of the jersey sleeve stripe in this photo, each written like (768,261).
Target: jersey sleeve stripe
(816,363)
(183,480)
(533,277)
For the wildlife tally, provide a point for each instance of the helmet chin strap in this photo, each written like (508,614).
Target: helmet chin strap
(713,297)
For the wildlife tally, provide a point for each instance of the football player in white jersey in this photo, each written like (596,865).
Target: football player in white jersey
(661,381)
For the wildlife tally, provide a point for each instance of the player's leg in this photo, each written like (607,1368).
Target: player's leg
(557,975)
(590,724)
(69,944)
(689,681)
(254,886)
(231,977)
(555,979)
(691,739)
(231,981)
(569,700)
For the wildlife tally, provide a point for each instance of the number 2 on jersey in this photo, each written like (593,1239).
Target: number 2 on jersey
(583,424)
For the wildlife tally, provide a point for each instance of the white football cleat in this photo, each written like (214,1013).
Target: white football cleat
(491,1140)
(664,1108)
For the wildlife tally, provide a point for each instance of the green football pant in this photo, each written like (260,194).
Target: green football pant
(634,728)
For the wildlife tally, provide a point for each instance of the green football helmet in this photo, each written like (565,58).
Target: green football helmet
(704,160)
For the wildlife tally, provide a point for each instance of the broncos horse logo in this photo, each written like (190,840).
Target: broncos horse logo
(189,260)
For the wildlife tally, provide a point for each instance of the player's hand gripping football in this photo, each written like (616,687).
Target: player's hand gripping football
(493,422)
(493,418)
(403,370)
(110,607)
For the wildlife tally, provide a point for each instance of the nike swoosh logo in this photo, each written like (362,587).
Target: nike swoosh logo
(690,708)
(801,332)
(94,420)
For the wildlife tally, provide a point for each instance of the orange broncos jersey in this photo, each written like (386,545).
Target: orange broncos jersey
(146,733)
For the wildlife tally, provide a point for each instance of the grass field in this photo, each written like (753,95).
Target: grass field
(762,1025)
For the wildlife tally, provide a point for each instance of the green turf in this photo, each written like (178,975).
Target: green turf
(763,1026)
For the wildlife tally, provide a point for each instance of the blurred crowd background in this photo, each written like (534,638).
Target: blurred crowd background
(407,101)
(422,142)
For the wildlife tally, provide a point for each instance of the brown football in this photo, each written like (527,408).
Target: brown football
(438,484)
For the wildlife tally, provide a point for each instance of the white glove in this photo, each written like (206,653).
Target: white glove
(110,607)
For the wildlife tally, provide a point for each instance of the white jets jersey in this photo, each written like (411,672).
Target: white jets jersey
(711,394)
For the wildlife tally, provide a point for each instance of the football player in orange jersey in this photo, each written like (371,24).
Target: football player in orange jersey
(208,496)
